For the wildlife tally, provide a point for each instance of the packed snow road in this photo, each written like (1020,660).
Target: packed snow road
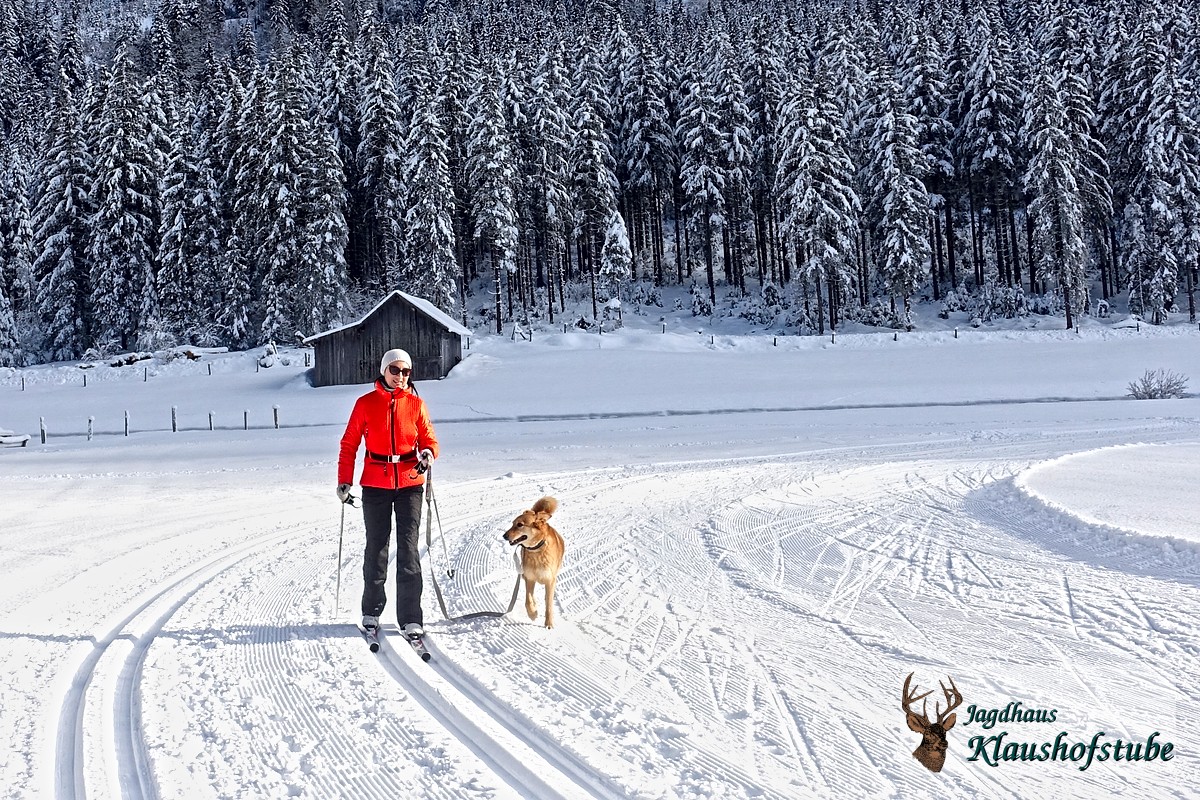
(743,596)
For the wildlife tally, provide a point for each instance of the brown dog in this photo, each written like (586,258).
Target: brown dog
(541,553)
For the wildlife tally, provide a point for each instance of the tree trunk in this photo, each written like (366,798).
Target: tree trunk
(680,231)
(1033,279)
(727,256)
(1016,250)
(863,267)
(820,309)
(976,250)
(708,260)
(951,264)
(760,240)
(659,241)
(1191,293)
(496,278)
(1002,271)
(935,254)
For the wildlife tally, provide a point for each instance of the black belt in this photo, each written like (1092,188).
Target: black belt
(410,456)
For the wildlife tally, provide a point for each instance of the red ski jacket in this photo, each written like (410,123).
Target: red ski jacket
(395,425)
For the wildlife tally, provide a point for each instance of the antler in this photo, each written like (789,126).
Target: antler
(908,698)
(954,699)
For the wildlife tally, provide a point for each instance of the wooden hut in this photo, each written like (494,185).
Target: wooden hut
(350,354)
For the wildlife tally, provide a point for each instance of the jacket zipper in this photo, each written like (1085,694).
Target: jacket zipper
(392,428)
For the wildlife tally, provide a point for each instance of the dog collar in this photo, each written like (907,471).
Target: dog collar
(541,544)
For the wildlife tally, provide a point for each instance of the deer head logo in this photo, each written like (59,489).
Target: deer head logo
(932,750)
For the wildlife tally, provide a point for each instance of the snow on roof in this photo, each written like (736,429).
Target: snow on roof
(427,308)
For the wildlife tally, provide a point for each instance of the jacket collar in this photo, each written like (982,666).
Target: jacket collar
(382,388)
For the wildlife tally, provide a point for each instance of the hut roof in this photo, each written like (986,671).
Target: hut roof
(427,308)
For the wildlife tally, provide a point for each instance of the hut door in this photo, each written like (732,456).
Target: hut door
(447,359)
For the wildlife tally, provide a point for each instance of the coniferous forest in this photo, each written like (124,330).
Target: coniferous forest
(219,172)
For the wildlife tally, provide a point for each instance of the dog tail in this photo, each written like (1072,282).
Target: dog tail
(547,505)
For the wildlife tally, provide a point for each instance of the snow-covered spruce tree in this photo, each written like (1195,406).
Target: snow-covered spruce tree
(10,340)
(1069,52)
(701,172)
(593,181)
(987,136)
(616,56)
(1057,207)
(764,97)
(127,206)
(16,243)
(326,235)
(735,161)
(616,259)
(287,198)
(550,123)
(1114,108)
(430,270)
(514,82)
(820,207)
(338,104)
(61,233)
(234,318)
(459,69)
(176,255)
(380,153)
(846,57)
(899,217)
(206,211)
(923,80)
(246,175)
(491,176)
(647,149)
(238,149)
(1167,191)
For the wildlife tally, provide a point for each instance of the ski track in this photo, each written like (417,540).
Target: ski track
(648,687)
(104,671)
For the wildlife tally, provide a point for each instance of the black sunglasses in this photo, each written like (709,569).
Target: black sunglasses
(400,370)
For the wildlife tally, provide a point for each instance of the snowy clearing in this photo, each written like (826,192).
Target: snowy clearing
(763,539)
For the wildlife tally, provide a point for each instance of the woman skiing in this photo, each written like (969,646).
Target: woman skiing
(400,446)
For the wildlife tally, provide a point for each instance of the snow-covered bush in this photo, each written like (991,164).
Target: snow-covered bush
(988,302)
(798,318)
(957,299)
(764,309)
(701,305)
(1003,302)
(1158,384)
(1048,304)
(207,334)
(610,313)
(642,293)
(877,313)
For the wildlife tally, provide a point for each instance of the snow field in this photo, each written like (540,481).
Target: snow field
(743,594)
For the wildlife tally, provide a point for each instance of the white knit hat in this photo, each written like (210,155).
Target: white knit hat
(392,356)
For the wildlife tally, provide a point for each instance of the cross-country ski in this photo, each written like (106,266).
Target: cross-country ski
(418,646)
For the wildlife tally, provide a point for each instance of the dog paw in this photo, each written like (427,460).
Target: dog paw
(531,611)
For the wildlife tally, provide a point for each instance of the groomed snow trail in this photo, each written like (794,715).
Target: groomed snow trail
(733,627)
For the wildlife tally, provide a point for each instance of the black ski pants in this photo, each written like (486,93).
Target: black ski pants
(378,507)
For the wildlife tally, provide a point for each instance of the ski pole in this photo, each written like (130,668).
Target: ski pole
(337,596)
(431,511)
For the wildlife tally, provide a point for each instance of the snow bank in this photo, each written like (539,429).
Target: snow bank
(1138,488)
